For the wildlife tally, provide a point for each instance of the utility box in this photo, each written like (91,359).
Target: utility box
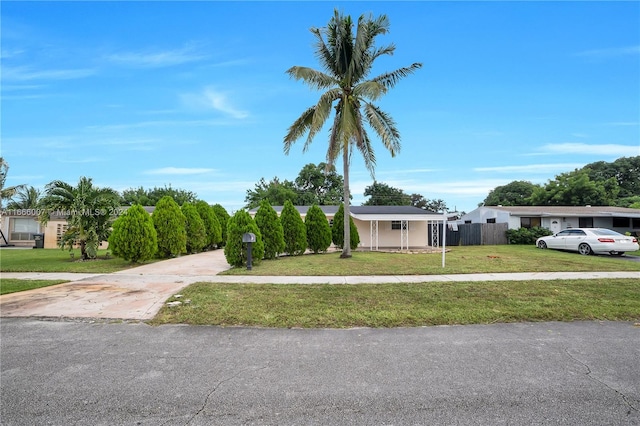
(39,240)
(248,237)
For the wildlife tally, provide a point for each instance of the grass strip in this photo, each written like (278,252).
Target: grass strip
(403,305)
(13,285)
(459,260)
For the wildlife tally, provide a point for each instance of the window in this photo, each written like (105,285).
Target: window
(491,220)
(22,229)
(585,222)
(396,224)
(635,223)
(620,222)
(529,222)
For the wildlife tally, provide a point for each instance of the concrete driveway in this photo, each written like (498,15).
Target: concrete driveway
(136,293)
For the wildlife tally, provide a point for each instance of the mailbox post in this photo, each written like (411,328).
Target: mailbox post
(249,238)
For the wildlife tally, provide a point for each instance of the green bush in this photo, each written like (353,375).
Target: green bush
(271,229)
(194,226)
(170,226)
(235,250)
(211,224)
(526,235)
(318,229)
(295,233)
(133,237)
(337,230)
(223,217)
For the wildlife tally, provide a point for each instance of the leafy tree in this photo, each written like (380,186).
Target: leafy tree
(384,195)
(319,185)
(295,233)
(194,227)
(275,192)
(235,250)
(150,197)
(625,170)
(25,197)
(6,191)
(223,217)
(134,237)
(271,229)
(170,226)
(576,189)
(211,224)
(318,229)
(347,60)
(337,232)
(90,213)
(516,193)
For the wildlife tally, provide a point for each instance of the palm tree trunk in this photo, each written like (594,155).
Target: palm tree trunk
(346,245)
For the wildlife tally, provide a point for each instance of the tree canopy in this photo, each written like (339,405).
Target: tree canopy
(382,194)
(150,197)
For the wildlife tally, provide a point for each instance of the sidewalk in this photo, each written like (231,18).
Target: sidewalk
(139,293)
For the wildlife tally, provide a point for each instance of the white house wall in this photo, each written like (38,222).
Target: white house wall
(391,238)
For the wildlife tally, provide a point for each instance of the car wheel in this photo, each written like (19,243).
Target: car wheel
(542,245)
(585,249)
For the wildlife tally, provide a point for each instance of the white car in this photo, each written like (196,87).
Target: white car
(589,241)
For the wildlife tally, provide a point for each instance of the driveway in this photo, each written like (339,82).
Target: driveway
(135,294)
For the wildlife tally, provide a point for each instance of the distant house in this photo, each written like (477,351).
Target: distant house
(557,218)
(397,227)
(19,227)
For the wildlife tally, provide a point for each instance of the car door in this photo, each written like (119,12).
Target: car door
(573,239)
(557,241)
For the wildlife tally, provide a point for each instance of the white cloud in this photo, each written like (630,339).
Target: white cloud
(530,168)
(613,51)
(601,149)
(178,171)
(27,74)
(158,59)
(211,98)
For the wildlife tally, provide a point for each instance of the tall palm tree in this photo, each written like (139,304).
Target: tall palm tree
(347,61)
(90,212)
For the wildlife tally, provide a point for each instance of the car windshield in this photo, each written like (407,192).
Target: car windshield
(605,232)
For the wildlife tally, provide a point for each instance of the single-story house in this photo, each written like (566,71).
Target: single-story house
(557,218)
(396,227)
(20,226)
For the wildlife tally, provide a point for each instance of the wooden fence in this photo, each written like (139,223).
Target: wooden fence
(474,234)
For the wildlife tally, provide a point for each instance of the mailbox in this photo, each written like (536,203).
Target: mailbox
(248,237)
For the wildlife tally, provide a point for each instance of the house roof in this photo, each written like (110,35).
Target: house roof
(372,212)
(594,211)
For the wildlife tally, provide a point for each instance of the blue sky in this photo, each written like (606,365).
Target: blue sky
(195,95)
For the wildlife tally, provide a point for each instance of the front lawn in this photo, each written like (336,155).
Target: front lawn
(57,260)
(458,260)
(403,305)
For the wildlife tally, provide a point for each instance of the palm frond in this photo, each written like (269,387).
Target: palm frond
(298,128)
(313,78)
(391,78)
(384,126)
(372,90)
(321,113)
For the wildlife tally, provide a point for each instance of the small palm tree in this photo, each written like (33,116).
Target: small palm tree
(90,213)
(10,191)
(25,197)
(347,60)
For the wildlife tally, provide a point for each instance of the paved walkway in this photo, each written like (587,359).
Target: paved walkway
(138,293)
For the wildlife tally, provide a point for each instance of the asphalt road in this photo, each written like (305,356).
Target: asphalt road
(99,373)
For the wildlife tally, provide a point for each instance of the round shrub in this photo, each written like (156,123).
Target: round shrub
(295,233)
(318,229)
(170,226)
(235,251)
(271,229)
(133,237)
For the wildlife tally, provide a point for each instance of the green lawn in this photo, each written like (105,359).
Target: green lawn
(57,260)
(459,260)
(404,305)
(12,285)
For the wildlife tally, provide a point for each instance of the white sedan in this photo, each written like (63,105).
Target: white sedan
(589,241)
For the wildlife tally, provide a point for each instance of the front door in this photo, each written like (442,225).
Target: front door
(556,225)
